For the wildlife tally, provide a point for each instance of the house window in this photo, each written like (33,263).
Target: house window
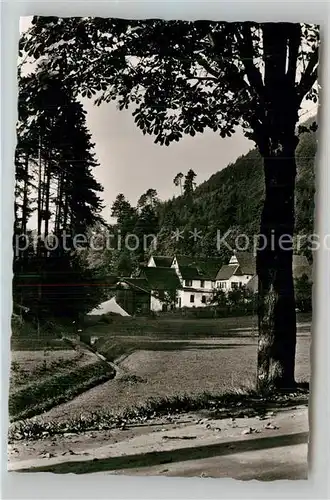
(203,299)
(192,299)
(202,283)
(188,282)
(234,285)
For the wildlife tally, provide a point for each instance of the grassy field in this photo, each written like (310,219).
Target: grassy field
(174,327)
(47,371)
(125,335)
(159,358)
(30,366)
(163,366)
(177,327)
(38,344)
(40,395)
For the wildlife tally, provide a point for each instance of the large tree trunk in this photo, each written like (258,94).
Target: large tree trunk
(277,318)
(277,144)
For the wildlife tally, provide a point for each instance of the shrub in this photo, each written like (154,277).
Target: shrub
(105,318)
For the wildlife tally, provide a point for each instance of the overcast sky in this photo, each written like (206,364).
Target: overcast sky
(130,162)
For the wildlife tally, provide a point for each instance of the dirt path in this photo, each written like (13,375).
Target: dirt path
(246,448)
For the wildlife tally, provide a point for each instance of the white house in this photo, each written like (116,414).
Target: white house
(197,278)
(241,271)
(237,273)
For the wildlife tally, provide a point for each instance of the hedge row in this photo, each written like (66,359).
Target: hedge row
(40,396)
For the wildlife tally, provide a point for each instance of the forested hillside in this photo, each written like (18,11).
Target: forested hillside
(233,198)
(230,200)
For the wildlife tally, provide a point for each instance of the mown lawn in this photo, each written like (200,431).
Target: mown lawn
(165,366)
(38,396)
(177,327)
(125,335)
(42,379)
(30,343)
(168,371)
(170,327)
(30,366)
(162,358)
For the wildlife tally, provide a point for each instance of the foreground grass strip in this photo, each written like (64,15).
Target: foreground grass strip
(220,406)
(40,396)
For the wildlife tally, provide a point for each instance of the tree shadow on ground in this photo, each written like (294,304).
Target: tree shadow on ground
(178,455)
(186,346)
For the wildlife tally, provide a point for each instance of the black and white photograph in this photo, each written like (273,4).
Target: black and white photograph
(164,245)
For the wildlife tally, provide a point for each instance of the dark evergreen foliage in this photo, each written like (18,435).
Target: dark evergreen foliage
(54,184)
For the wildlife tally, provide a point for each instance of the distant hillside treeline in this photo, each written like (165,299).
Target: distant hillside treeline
(232,199)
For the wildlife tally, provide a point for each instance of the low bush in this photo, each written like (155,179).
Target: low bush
(37,397)
(106,319)
(210,312)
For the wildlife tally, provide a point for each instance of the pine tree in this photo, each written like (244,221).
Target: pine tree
(54,182)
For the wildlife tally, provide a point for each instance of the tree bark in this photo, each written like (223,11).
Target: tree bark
(276,302)
(277,144)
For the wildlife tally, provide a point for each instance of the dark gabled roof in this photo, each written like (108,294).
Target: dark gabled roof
(190,273)
(198,268)
(161,278)
(300,266)
(247,262)
(227,271)
(162,261)
(184,260)
(136,283)
(252,285)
